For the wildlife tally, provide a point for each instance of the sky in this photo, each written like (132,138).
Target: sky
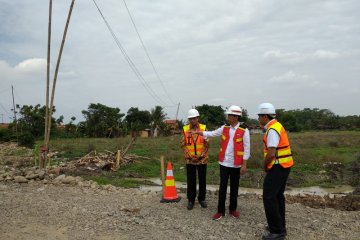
(294,54)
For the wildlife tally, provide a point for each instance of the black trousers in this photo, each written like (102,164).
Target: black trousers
(274,199)
(234,174)
(191,181)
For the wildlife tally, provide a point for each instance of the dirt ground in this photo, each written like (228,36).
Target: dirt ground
(47,205)
(36,210)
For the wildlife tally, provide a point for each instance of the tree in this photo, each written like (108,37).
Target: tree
(30,123)
(71,128)
(137,120)
(60,120)
(157,118)
(101,121)
(32,120)
(212,116)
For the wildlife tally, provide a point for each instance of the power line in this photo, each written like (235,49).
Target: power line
(5,90)
(130,62)
(147,54)
(18,96)
(6,111)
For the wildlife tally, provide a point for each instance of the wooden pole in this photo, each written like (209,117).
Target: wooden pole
(177,112)
(162,172)
(45,147)
(56,73)
(128,146)
(16,125)
(118,159)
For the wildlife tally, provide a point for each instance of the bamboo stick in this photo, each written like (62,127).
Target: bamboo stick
(56,73)
(45,147)
(118,159)
(162,172)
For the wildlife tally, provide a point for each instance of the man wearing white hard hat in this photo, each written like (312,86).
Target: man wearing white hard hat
(195,149)
(278,161)
(234,152)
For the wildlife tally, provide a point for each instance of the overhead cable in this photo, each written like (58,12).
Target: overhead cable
(2,106)
(130,62)
(147,54)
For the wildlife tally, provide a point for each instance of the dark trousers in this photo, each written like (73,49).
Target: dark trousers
(191,181)
(274,199)
(234,174)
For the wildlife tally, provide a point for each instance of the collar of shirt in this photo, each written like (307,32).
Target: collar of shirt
(236,126)
(266,126)
(196,126)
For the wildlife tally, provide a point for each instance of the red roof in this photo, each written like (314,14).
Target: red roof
(169,121)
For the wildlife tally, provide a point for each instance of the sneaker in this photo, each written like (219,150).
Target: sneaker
(274,236)
(190,205)
(235,214)
(267,229)
(203,204)
(218,216)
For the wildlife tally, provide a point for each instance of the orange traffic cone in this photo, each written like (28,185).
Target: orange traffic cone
(170,194)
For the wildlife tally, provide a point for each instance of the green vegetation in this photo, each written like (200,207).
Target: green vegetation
(312,152)
(315,151)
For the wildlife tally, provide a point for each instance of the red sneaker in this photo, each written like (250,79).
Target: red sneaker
(235,214)
(218,216)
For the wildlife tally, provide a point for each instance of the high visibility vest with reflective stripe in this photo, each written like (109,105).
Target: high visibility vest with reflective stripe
(195,148)
(238,144)
(283,150)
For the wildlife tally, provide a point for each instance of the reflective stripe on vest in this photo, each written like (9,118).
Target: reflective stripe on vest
(283,151)
(238,144)
(195,146)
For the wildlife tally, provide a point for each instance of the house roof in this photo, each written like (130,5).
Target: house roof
(170,121)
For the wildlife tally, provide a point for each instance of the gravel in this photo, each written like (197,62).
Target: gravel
(45,210)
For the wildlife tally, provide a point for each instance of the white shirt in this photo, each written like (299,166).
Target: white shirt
(229,153)
(273,138)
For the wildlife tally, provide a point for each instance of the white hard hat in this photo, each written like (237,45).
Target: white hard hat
(193,113)
(266,108)
(234,110)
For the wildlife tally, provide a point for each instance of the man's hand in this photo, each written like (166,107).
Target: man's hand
(243,170)
(195,158)
(269,157)
(265,167)
(196,132)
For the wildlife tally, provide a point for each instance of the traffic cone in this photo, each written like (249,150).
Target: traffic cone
(170,194)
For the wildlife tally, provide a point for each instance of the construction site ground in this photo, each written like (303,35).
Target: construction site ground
(47,211)
(35,204)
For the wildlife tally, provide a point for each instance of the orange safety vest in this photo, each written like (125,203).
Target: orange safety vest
(195,147)
(238,144)
(283,150)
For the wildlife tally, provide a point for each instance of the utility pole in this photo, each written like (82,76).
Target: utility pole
(2,118)
(16,127)
(177,111)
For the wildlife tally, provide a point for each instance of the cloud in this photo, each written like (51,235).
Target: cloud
(293,78)
(287,57)
(205,53)
(33,65)
(217,100)
(298,57)
(324,54)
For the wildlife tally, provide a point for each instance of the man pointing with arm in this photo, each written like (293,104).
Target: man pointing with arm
(234,152)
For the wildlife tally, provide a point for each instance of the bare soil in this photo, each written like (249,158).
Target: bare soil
(44,208)
(45,211)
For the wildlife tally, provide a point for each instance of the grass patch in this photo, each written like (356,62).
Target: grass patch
(311,150)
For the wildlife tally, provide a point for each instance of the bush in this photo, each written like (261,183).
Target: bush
(27,140)
(5,135)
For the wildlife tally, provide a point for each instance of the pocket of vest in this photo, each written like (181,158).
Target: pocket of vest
(239,153)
